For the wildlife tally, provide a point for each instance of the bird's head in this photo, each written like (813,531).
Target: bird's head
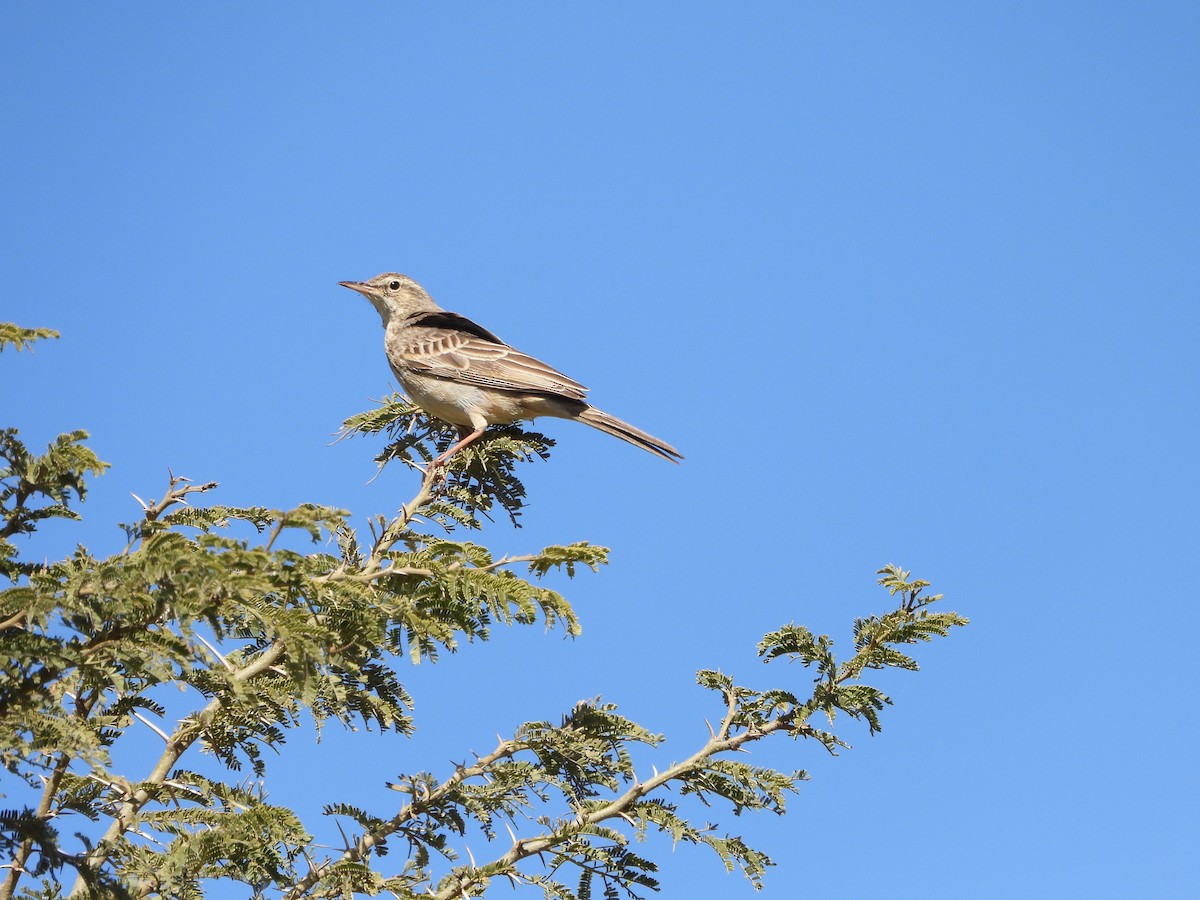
(393,295)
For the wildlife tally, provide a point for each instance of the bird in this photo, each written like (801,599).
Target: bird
(461,373)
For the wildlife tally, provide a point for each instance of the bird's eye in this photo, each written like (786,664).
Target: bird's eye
(393,285)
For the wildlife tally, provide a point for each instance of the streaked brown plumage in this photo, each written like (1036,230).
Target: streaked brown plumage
(463,374)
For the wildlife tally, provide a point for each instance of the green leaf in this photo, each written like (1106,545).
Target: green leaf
(15,336)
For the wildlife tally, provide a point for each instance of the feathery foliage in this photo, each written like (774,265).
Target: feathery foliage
(212,636)
(14,336)
(479,478)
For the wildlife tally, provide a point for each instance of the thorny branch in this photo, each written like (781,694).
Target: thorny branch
(466,880)
(192,727)
(729,737)
(188,732)
(734,731)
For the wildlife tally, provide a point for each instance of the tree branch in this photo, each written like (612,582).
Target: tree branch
(49,791)
(175,495)
(83,706)
(408,813)
(187,733)
(177,744)
(523,848)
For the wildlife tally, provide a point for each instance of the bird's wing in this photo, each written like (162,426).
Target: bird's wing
(447,345)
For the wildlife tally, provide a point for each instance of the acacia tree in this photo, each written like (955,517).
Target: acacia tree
(259,636)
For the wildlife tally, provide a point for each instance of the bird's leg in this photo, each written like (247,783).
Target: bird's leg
(467,437)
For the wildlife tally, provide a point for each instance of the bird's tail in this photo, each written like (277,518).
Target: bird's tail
(626,432)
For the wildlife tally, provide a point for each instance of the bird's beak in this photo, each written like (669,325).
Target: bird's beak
(363,289)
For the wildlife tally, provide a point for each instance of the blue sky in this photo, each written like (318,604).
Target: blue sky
(904,283)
